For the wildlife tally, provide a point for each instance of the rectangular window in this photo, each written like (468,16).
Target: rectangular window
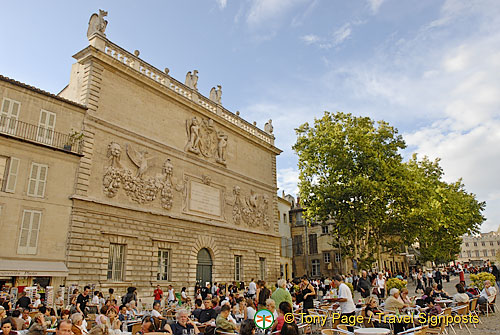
(9,167)
(475,244)
(282,270)
(30,228)
(116,262)
(163,265)
(262,267)
(289,252)
(493,252)
(38,179)
(313,244)
(324,229)
(315,271)
(337,257)
(326,257)
(46,126)
(283,246)
(485,253)
(237,268)
(468,253)
(284,218)
(477,253)
(483,244)
(9,115)
(466,244)
(297,245)
(491,243)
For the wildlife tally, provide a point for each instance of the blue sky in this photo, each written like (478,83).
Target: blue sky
(430,68)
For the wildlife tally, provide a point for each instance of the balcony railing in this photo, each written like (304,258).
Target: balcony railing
(29,132)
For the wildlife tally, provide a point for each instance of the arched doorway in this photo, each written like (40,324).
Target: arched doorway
(204,267)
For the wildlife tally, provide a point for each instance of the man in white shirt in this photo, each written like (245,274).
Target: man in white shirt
(487,294)
(252,289)
(345,298)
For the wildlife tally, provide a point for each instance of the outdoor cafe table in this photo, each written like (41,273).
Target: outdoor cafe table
(372,331)
(445,302)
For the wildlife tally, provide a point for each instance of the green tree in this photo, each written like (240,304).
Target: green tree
(350,168)
(351,171)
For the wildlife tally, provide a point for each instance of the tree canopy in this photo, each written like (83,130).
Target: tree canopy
(352,173)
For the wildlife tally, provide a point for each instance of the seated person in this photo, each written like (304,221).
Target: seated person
(460,296)
(392,303)
(183,326)
(156,312)
(432,308)
(222,323)
(405,299)
(248,327)
(197,308)
(7,326)
(123,315)
(290,329)
(283,309)
(488,293)
(207,315)
(38,326)
(439,292)
(148,326)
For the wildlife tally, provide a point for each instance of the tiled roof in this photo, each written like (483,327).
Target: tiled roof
(37,90)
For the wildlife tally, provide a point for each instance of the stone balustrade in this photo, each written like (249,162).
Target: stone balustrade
(165,80)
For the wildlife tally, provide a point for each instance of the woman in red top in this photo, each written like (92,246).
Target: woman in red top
(283,309)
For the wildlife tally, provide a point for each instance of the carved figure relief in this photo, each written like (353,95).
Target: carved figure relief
(192,80)
(205,140)
(97,24)
(251,210)
(138,186)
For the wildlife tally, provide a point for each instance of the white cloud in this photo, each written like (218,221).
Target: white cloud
(222,3)
(310,38)
(265,10)
(336,38)
(375,5)
(288,179)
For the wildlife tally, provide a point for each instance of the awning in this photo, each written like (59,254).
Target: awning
(24,268)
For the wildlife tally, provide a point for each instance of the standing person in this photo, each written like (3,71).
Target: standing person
(252,289)
(429,278)
(364,284)
(130,295)
(308,294)
(345,301)
(82,301)
(379,284)
(23,301)
(264,294)
(437,277)
(420,284)
(171,295)
(281,294)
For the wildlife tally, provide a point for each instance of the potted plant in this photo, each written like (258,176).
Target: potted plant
(73,137)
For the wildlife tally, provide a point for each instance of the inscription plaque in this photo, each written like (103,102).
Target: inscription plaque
(205,199)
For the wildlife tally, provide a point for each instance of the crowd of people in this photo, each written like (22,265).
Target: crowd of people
(232,307)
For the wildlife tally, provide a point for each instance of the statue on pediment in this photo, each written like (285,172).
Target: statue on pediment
(216,94)
(97,24)
(268,127)
(192,80)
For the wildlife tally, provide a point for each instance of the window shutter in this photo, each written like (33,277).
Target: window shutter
(25,232)
(35,227)
(15,109)
(10,185)
(33,178)
(42,180)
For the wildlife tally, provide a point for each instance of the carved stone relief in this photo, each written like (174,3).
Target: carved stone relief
(205,140)
(138,186)
(251,210)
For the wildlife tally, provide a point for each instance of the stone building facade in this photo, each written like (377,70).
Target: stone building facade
(476,250)
(172,188)
(39,157)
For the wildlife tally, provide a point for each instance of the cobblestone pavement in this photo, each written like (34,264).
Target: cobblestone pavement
(489,325)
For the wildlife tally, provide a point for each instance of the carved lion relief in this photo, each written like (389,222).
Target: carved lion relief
(138,186)
(251,210)
(205,140)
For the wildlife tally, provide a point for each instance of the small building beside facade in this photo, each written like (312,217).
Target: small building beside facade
(477,249)
(284,207)
(39,157)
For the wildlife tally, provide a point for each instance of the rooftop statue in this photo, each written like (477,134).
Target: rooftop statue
(97,24)
(268,127)
(192,80)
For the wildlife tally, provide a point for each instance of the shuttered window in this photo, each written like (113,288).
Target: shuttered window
(46,126)
(9,115)
(37,180)
(9,167)
(30,228)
